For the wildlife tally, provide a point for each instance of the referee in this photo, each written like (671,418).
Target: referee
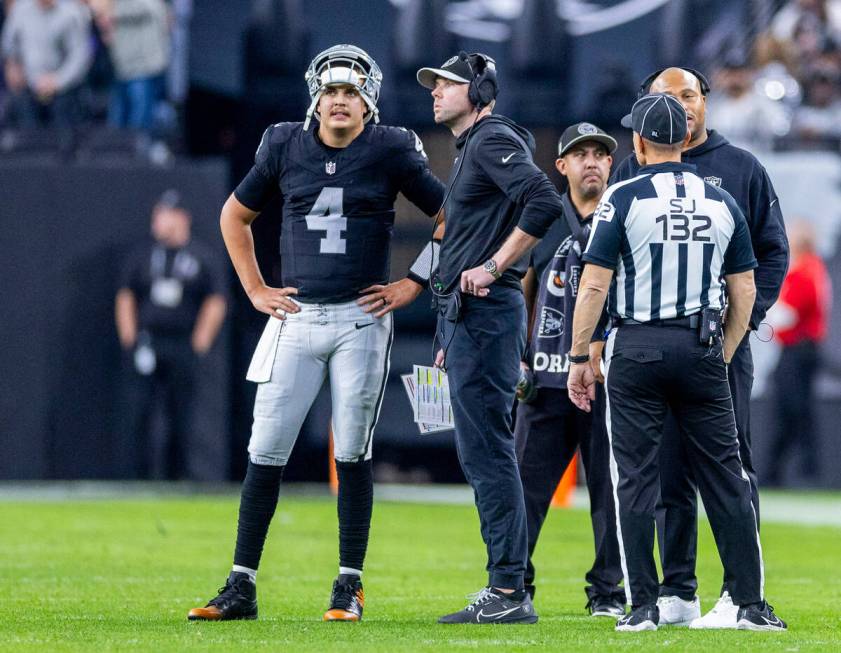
(740,174)
(671,238)
(499,204)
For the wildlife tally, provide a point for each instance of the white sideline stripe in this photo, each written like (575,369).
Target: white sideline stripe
(778,507)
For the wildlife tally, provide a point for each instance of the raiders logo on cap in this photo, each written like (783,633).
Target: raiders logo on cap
(585,129)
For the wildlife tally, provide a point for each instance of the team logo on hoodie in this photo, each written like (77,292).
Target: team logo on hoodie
(551,323)
(715,181)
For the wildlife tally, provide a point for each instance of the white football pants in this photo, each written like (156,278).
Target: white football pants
(335,340)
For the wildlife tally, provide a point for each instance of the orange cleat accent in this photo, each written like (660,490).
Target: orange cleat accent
(340,615)
(209,613)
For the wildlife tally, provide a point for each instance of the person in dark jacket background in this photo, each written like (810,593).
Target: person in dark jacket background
(498,205)
(549,429)
(740,174)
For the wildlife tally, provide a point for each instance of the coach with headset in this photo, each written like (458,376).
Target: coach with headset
(498,205)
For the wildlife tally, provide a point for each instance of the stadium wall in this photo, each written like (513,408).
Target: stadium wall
(65,232)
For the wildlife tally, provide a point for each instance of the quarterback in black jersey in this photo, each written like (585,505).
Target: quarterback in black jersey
(339,183)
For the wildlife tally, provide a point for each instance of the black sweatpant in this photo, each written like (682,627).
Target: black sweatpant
(483,353)
(547,433)
(650,368)
(677,512)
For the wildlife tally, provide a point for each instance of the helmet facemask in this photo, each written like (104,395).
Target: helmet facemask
(344,64)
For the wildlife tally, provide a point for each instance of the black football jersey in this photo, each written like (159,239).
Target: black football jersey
(338,204)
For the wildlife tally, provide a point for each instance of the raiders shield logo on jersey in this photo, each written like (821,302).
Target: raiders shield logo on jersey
(330,167)
(715,181)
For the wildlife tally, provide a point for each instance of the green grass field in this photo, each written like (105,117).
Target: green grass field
(121,575)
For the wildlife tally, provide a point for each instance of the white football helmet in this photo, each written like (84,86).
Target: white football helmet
(344,64)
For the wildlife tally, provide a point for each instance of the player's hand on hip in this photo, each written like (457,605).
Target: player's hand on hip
(581,385)
(381,300)
(475,281)
(596,349)
(274,301)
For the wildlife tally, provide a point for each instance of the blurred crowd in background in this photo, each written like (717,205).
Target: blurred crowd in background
(105,80)
(71,65)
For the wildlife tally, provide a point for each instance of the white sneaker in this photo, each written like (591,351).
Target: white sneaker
(723,615)
(674,611)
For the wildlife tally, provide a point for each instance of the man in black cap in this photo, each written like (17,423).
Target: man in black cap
(673,241)
(742,176)
(549,429)
(169,309)
(498,205)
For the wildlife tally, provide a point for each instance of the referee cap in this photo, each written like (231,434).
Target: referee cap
(659,118)
(585,131)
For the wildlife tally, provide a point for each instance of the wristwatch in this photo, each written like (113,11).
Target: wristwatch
(490,268)
(578,359)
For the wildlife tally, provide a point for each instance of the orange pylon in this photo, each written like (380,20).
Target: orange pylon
(563,493)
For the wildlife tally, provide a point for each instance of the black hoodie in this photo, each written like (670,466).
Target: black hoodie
(495,187)
(740,174)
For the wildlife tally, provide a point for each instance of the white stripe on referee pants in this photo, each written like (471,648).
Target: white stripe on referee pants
(614,468)
(753,510)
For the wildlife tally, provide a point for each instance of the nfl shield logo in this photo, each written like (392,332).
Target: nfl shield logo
(330,167)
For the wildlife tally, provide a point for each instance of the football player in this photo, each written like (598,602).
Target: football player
(339,183)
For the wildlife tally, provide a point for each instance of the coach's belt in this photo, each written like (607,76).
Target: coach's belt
(688,322)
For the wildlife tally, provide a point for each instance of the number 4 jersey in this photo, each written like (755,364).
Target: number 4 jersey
(338,204)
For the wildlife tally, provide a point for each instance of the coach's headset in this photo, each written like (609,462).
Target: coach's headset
(645,85)
(483,87)
(481,91)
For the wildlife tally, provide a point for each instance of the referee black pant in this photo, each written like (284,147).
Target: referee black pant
(547,433)
(650,369)
(677,513)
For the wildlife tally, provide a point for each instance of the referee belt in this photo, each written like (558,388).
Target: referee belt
(689,322)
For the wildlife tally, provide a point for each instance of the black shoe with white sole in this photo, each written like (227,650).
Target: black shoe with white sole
(643,617)
(759,616)
(491,607)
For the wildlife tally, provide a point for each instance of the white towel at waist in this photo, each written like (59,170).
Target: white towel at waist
(260,369)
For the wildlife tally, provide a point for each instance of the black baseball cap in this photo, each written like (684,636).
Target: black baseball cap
(455,68)
(585,131)
(659,118)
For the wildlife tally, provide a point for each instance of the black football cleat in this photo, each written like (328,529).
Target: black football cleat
(759,616)
(236,600)
(643,617)
(346,600)
(606,606)
(490,607)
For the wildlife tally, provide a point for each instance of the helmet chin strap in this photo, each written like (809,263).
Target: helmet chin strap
(373,112)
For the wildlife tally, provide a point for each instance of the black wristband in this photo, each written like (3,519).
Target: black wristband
(418,280)
(578,359)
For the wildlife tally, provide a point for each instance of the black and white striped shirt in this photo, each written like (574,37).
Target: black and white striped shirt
(671,237)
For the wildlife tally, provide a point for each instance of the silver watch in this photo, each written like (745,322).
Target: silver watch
(490,268)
